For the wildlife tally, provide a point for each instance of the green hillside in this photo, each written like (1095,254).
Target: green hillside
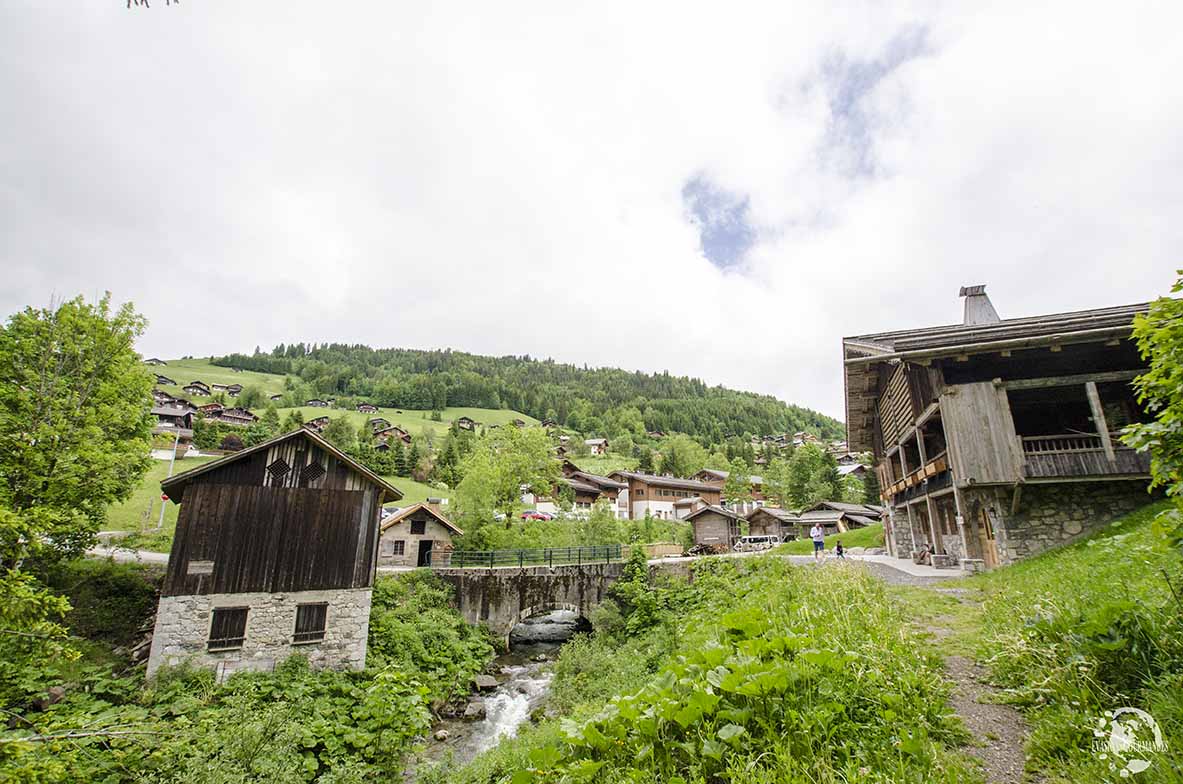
(184,371)
(414,422)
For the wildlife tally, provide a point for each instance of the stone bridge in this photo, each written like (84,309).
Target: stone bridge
(503,597)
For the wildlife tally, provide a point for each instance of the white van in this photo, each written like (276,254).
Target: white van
(750,543)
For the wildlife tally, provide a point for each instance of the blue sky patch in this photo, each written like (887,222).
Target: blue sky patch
(722,218)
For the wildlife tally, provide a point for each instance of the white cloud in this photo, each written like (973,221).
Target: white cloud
(508,178)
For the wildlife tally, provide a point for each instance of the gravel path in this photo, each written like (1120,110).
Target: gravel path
(999,730)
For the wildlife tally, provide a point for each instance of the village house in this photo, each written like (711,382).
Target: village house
(597,446)
(715,527)
(995,439)
(367,408)
(549,424)
(518,423)
(718,478)
(165,380)
(587,490)
(237,416)
(174,420)
(391,432)
(317,403)
(196,389)
(379,423)
(318,424)
(219,387)
(771,521)
(655,433)
(234,390)
(684,507)
(160,397)
(418,535)
(836,517)
(276,398)
(465,423)
(210,410)
(657,494)
(274,554)
(155,361)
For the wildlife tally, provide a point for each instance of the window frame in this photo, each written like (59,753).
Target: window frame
(226,643)
(324,624)
(400,547)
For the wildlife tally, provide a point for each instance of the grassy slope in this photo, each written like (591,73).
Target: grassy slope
(415,422)
(130,514)
(1071,633)
(870,536)
(185,370)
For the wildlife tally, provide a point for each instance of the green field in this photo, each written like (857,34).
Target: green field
(414,422)
(142,510)
(183,371)
(871,536)
(414,492)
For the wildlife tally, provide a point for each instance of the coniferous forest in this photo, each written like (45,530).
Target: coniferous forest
(580,398)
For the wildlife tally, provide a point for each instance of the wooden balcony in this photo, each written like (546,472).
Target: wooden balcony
(930,469)
(1076,455)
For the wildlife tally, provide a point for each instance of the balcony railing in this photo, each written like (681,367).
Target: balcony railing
(1076,454)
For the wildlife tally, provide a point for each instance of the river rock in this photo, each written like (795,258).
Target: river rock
(474,710)
(541,657)
(442,735)
(485,682)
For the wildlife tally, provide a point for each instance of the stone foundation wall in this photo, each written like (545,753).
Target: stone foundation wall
(1050,515)
(183,625)
(901,533)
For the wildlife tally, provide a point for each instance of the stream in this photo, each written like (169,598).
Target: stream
(525,675)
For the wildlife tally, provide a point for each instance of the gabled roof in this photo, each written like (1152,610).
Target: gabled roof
(602,482)
(716,509)
(181,480)
(694,499)
(839,506)
(784,515)
(402,514)
(667,481)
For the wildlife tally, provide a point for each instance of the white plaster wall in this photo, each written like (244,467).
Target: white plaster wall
(662,509)
(183,625)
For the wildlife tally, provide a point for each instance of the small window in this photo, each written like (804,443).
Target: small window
(418,526)
(400,547)
(227,629)
(310,622)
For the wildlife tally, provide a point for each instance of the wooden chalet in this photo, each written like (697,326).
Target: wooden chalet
(995,439)
(275,553)
(210,410)
(154,361)
(465,423)
(165,380)
(771,521)
(418,535)
(656,494)
(174,420)
(367,408)
(318,424)
(715,527)
(597,446)
(392,432)
(317,403)
(276,398)
(237,416)
(196,389)
(379,423)
(549,424)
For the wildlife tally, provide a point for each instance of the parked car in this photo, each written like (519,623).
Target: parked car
(532,514)
(750,543)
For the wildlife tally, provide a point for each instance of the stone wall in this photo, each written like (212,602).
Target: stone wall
(901,532)
(183,625)
(1050,515)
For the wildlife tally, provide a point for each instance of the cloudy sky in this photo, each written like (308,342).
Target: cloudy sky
(722,192)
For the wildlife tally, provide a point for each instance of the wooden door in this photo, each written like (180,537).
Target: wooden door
(986,538)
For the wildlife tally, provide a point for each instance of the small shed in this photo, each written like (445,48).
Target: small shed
(770,521)
(411,536)
(715,526)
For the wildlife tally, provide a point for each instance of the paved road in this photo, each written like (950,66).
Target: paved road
(124,555)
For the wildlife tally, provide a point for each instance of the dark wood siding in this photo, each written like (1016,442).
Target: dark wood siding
(272,539)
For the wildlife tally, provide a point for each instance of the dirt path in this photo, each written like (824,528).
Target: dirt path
(999,731)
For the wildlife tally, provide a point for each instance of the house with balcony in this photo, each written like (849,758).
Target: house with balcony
(995,439)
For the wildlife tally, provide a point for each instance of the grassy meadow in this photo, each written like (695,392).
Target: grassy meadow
(870,536)
(184,371)
(141,510)
(414,422)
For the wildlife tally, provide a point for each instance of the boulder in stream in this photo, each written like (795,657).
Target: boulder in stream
(485,682)
(474,710)
(442,735)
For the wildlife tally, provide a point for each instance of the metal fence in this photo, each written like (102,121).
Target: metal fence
(547,556)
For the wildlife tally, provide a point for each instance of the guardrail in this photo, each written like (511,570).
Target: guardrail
(547,556)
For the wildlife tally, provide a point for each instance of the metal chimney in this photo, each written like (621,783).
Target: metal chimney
(978,307)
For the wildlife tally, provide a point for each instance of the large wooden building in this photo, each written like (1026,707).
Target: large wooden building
(656,495)
(995,439)
(275,553)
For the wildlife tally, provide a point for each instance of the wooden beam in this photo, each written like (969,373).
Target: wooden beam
(988,346)
(1072,381)
(1099,421)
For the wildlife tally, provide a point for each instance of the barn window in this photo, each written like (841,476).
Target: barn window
(418,526)
(312,473)
(278,470)
(310,622)
(400,547)
(228,628)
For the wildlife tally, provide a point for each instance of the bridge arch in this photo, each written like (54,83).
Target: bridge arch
(545,607)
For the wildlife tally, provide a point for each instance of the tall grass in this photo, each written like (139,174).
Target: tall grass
(1086,629)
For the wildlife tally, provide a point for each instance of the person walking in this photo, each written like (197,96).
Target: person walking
(818,535)
(839,550)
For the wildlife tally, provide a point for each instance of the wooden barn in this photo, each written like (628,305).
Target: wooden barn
(419,535)
(995,439)
(275,553)
(715,527)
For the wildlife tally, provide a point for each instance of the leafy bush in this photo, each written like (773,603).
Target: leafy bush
(109,601)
